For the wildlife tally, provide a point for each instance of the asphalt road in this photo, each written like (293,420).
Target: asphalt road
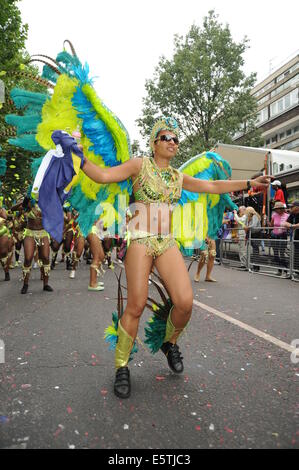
(238,389)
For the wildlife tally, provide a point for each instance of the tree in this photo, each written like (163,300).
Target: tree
(15,71)
(204,88)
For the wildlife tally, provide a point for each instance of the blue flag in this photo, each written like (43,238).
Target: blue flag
(54,180)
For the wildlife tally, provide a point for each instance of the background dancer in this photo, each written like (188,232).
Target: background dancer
(35,237)
(96,248)
(5,236)
(207,257)
(79,242)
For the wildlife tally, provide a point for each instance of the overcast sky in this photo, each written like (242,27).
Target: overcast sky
(122,40)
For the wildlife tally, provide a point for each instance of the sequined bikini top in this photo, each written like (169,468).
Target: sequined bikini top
(158,184)
(34,213)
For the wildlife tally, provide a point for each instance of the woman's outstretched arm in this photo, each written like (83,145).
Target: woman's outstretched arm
(222,186)
(115,174)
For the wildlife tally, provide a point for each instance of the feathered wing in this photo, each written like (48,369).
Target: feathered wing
(199,215)
(73,105)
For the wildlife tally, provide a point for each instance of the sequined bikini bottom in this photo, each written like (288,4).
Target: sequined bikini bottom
(156,245)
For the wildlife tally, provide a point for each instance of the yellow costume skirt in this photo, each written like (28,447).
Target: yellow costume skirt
(156,245)
(38,235)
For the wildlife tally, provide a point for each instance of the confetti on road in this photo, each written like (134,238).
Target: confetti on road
(69,410)
(126,427)
(228,429)
(160,377)
(198,428)
(4,419)
(59,430)
(211,427)
(25,386)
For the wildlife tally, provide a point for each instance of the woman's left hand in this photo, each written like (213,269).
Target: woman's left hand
(261,182)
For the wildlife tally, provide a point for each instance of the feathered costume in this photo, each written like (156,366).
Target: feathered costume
(74,106)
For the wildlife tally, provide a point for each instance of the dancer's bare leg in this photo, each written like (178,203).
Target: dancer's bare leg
(29,250)
(11,245)
(200,265)
(67,247)
(172,269)
(44,256)
(77,252)
(4,255)
(55,248)
(98,256)
(138,266)
(211,259)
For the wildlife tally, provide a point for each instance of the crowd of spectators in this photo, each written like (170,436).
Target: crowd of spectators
(281,226)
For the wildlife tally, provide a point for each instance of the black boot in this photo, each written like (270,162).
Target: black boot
(53,262)
(24,289)
(122,385)
(174,357)
(68,264)
(48,288)
(7,277)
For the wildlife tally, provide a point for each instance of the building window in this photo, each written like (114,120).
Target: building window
(281,136)
(265,88)
(290,145)
(263,115)
(284,103)
(285,85)
(274,139)
(289,132)
(263,100)
(268,142)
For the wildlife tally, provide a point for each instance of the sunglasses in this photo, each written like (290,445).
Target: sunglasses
(168,138)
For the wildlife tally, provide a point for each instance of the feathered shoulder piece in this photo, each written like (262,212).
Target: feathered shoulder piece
(199,214)
(72,105)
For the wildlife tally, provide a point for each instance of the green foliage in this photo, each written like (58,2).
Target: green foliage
(15,71)
(13,32)
(204,88)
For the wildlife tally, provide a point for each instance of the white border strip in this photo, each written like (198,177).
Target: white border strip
(246,327)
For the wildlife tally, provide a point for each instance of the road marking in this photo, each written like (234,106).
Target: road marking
(246,327)
(251,329)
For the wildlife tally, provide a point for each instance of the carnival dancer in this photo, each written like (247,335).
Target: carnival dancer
(19,223)
(11,241)
(35,236)
(66,240)
(79,242)
(207,257)
(157,186)
(5,236)
(94,239)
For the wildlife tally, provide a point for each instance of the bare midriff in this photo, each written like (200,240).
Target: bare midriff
(154,218)
(156,192)
(34,221)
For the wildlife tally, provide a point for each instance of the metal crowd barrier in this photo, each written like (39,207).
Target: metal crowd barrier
(233,248)
(262,251)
